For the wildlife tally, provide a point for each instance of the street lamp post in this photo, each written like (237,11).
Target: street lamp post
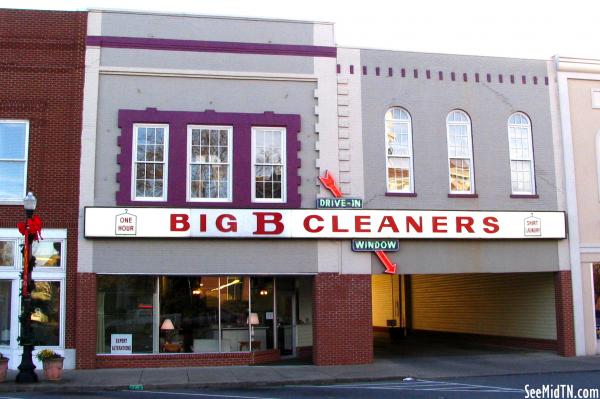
(30,230)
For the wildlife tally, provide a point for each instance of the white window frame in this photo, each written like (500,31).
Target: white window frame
(411,188)
(12,274)
(470,147)
(134,161)
(283,131)
(18,201)
(531,155)
(229,163)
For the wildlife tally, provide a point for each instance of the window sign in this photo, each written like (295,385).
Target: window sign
(120,344)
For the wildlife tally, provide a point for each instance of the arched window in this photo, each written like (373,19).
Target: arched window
(398,148)
(460,153)
(522,172)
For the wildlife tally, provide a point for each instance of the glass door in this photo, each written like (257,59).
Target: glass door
(286,315)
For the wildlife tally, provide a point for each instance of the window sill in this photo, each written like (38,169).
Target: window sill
(11,202)
(388,194)
(532,196)
(463,196)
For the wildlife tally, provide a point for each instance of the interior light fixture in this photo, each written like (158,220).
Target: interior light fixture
(236,281)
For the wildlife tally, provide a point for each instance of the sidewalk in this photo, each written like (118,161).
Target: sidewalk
(244,376)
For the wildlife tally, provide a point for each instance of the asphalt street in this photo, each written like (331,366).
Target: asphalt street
(505,387)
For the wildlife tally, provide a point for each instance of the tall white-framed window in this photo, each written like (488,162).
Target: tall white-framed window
(399,152)
(460,153)
(48,297)
(14,141)
(520,143)
(209,175)
(268,164)
(150,162)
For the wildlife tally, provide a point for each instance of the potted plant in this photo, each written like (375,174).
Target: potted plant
(53,364)
(3,367)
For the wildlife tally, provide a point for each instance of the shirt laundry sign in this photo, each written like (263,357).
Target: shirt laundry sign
(322,223)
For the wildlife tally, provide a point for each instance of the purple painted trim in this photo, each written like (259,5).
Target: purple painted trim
(524,79)
(390,71)
(452,76)
(441,75)
(377,71)
(463,196)
(465,78)
(241,163)
(403,72)
(428,74)
(512,79)
(416,73)
(477,77)
(535,80)
(338,68)
(488,78)
(546,80)
(211,46)
(410,195)
(533,196)
(364,68)
(500,78)
(351,69)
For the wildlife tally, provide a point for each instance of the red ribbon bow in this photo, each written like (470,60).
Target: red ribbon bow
(33,226)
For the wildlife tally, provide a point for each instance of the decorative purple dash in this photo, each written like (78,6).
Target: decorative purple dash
(452,76)
(178,122)
(390,72)
(500,78)
(477,77)
(377,71)
(351,69)
(546,80)
(535,80)
(465,79)
(441,75)
(416,73)
(524,79)
(512,79)
(211,46)
(403,72)
(364,68)
(488,77)
(339,68)
(428,74)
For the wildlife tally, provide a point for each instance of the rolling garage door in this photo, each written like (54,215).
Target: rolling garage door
(511,305)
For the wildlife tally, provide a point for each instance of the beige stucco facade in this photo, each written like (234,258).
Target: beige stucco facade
(579,92)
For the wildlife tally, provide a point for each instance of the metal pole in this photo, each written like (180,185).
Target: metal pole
(27,368)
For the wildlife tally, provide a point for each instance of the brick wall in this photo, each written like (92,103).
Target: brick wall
(342,329)
(42,56)
(86,321)
(188,359)
(564,313)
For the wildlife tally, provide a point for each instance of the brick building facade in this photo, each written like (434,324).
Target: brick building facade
(41,75)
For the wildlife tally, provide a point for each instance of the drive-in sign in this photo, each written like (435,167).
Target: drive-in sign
(322,223)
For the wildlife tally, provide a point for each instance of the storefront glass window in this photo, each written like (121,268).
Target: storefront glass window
(7,253)
(262,306)
(47,253)
(235,330)
(45,301)
(125,305)
(189,314)
(5,291)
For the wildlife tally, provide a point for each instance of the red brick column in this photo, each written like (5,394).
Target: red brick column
(565,335)
(342,327)
(86,321)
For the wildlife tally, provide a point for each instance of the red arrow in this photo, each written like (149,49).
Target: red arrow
(329,184)
(389,266)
